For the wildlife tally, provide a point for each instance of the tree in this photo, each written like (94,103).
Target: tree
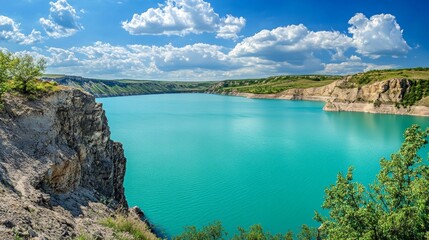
(256,232)
(25,71)
(396,206)
(307,233)
(213,231)
(5,58)
(5,70)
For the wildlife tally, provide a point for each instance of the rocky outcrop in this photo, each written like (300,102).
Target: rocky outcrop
(371,108)
(379,97)
(59,169)
(389,91)
(60,143)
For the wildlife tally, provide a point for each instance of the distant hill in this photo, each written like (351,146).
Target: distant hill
(274,84)
(124,87)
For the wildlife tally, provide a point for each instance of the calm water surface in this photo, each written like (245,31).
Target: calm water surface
(197,158)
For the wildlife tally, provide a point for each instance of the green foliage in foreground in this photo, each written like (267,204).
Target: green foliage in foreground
(215,231)
(209,232)
(20,74)
(395,207)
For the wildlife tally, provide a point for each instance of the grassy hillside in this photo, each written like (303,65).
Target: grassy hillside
(105,88)
(273,84)
(380,75)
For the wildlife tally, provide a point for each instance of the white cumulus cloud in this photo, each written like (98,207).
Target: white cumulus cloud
(198,61)
(377,36)
(294,46)
(62,20)
(9,31)
(272,44)
(230,26)
(182,17)
(61,57)
(200,55)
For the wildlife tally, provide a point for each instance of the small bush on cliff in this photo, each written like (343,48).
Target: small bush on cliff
(5,70)
(25,71)
(396,206)
(132,227)
(20,74)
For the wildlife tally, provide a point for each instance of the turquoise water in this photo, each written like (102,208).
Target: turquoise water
(197,158)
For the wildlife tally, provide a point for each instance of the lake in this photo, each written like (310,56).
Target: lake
(197,158)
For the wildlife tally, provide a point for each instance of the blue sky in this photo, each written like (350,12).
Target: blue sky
(216,39)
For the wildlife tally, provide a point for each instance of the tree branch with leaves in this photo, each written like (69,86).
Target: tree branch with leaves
(396,206)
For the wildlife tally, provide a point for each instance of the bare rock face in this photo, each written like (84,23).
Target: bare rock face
(389,91)
(56,157)
(379,97)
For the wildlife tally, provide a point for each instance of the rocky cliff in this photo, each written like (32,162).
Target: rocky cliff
(60,172)
(379,97)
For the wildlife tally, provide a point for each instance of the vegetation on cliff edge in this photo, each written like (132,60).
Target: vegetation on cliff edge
(127,228)
(372,76)
(19,73)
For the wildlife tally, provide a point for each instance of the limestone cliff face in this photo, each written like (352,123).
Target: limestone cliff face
(379,97)
(57,158)
(389,91)
(60,143)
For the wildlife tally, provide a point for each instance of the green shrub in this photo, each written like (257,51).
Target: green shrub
(215,231)
(418,90)
(121,224)
(256,232)
(210,232)
(84,237)
(396,206)
(377,103)
(20,73)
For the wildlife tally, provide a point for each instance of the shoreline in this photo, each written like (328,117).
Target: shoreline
(336,106)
